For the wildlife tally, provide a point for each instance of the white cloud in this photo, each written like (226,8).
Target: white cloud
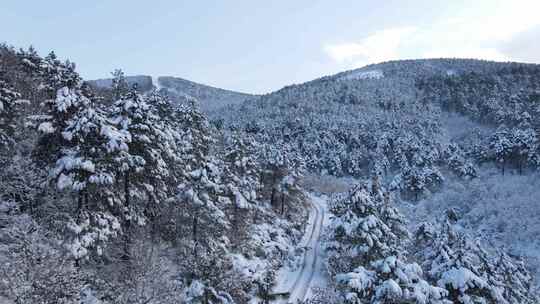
(479,31)
(380,46)
(524,46)
(508,18)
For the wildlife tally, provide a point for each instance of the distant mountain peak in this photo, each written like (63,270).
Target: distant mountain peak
(177,88)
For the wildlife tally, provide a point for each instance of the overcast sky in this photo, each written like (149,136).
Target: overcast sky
(260,46)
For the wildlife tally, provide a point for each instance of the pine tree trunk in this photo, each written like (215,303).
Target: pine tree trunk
(194,231)
(272,196)
(255,216)
(236,215)
(127,231)
(282,203)
(126,188)
(80,206)
(127,242)
(86,198)
(79,201)
(194,234)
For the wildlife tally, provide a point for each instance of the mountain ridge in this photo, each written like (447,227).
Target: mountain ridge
(178,89)
(429,67)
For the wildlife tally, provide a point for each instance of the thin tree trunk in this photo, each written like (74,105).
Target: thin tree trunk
(80,207)
(194,233)
(126,188)
(127,231)
(86,198)
(235,221)
(194,229)
(235,217)
(282,203)
(255,216)
(79,201)
(206,297)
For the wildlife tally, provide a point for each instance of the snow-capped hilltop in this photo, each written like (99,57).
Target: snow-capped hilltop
(373,74)
(425,68)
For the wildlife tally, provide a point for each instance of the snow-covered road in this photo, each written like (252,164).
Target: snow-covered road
(296,284)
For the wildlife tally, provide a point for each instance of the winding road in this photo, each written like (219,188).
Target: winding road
(312,263)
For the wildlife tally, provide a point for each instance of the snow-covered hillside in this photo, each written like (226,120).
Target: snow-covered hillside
(210,98)
(439,133)
(177,89)
(361,74)
(502,210)
(403,182)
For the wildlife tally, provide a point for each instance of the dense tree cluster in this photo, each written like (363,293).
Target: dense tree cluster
(469,271)
(386,120)
(373,258)
(124,197)
(385,130)
(367,256)
(506,99)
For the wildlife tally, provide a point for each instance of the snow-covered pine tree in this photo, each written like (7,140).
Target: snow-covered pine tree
(457,162)
(202,225)
(8,97)
(414,181)
(172,137)
(58,74)
(514,279)
(380,155)
(75,139)
(242,177)
(119,85)
(33,264)
(368,258)
(525,145)
(501,147)
(467,270)
(87,168)
(64,100)
(282,169)
(83,165)
(142,168)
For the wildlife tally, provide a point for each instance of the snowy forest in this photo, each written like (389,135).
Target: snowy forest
(411,181)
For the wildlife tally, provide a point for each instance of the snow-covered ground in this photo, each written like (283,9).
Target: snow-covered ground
(155,82)
(358,75)
(296,282)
